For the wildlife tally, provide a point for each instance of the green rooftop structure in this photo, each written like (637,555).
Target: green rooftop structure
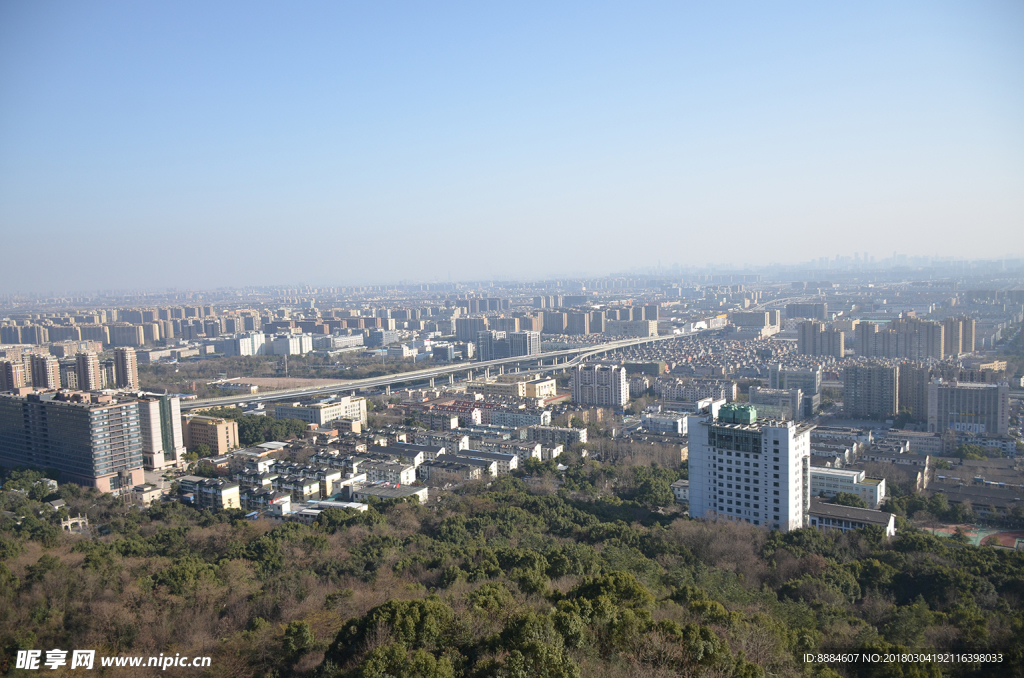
(737,414)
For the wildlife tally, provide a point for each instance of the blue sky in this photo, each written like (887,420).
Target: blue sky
(195,144)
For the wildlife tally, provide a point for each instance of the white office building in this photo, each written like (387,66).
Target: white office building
(748,470)
(831,481)
(346,407)
(664,423)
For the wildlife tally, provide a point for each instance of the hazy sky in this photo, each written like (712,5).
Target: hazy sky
(200,144)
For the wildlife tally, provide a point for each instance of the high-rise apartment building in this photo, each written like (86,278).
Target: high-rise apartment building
(45,372)
(87,368)
(524,343)
(577,323)
(743,469)
(108,374)
(93,441)
(492,345)
(126,334)
(973,408)
(69,374)
(958,336)
(913,391)
(631,328)
(910,338)
(813,311)
(554,322)
(600,384)
(466,329)
(12,375)
(814,339)
(126,368)
(750,318)
(919,339)
(163,443)
(807,379)
(503,324)
(871,391)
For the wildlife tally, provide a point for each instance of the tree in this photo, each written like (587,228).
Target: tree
(903,417)
(847,499)
(202,450)
(298,638)
(972,452)
(656,492)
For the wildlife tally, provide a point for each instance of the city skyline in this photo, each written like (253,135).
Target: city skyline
(909,266)
(202,147)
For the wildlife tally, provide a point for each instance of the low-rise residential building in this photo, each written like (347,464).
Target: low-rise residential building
(918,442)
(300,487)
(380,470)
(520,417)
(505,463)
(450,440)
(146,494)
(417,453)
(523,449)
(488,467)
(384,491)
(210,493)
(439,470)
(560,435)
(547,453)
(262,499)
(681,491)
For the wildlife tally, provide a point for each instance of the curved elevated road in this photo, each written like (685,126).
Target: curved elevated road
(582,353)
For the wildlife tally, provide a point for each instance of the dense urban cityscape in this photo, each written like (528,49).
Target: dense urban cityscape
(512,340)
(847,397)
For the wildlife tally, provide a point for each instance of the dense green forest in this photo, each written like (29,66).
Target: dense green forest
(522,577)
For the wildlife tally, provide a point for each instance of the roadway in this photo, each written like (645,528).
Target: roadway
(582,353)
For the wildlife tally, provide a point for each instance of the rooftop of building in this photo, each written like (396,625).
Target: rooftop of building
(860,515)
(463,459)
(390,492)
(979,494)
(497,456)
(837,471)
